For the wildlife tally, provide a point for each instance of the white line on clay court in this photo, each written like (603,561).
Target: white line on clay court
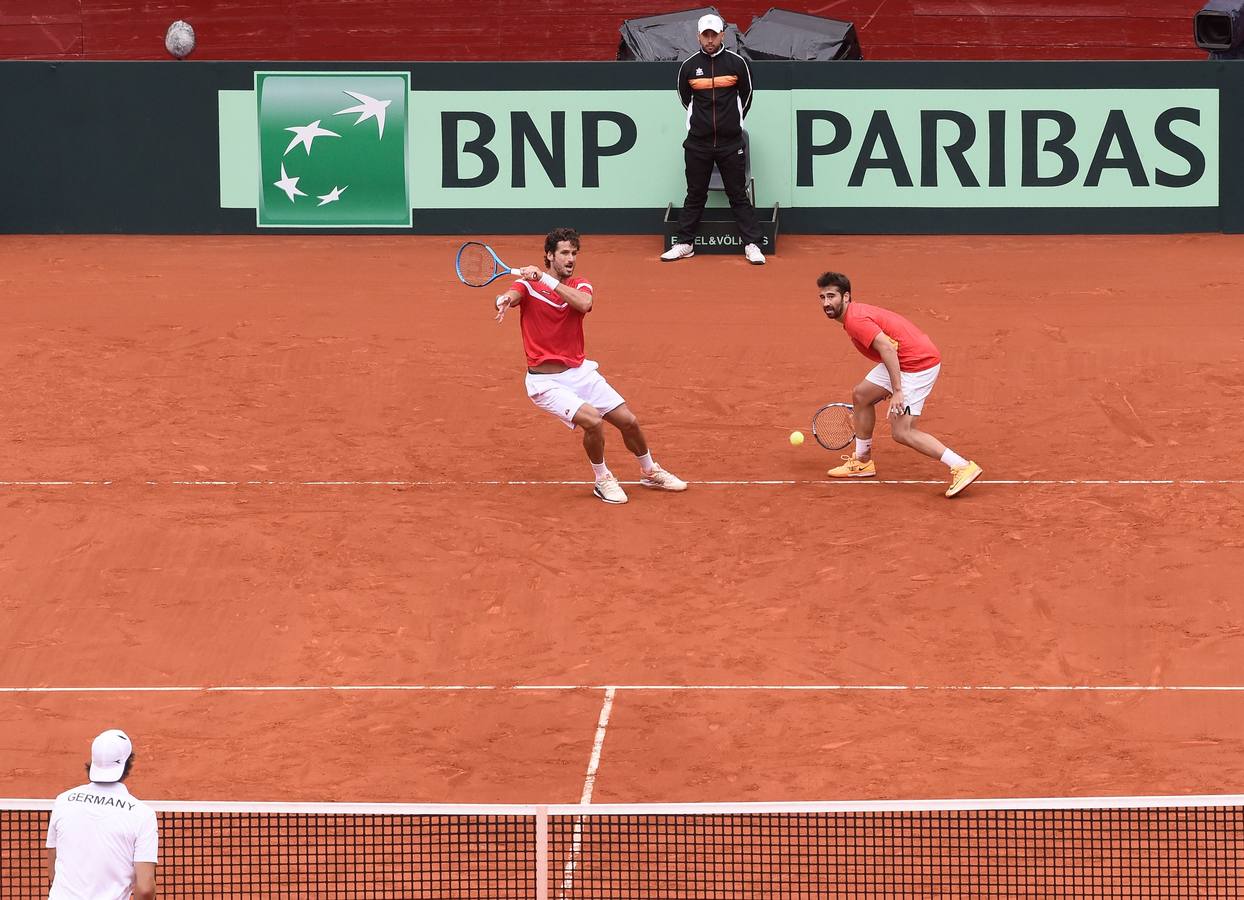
(836,483)
(612,689)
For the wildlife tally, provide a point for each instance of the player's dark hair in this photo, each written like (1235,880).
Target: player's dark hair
(834,279)
(557,235)
(125,773)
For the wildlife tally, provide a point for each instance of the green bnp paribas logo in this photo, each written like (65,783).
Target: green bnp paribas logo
(332,149)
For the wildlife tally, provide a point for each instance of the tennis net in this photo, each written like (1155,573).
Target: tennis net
(1078,847)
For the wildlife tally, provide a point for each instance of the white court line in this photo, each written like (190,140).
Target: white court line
(611,690)
(736,807)
(589,784)
(593,763)
(710,483)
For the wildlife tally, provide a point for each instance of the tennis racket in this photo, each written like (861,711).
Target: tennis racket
(477,265)
(833,426)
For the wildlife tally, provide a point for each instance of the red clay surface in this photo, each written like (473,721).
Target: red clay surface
(296,359)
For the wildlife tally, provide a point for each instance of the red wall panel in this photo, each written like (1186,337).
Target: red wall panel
(40,28)
(570,29)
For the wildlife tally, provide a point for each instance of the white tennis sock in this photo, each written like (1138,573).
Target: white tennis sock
(600,470)
(645,463)
(953,459)
(863,447)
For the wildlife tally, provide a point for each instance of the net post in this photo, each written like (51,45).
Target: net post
(542,853)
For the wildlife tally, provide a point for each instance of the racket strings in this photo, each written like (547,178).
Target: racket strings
(476,265)
(833,427)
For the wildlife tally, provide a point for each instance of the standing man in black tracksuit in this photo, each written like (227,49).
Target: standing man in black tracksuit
(715,86)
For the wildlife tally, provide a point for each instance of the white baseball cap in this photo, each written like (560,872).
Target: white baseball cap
(109,752)
(710,23)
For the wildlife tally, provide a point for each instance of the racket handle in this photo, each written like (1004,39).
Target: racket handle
(516,271)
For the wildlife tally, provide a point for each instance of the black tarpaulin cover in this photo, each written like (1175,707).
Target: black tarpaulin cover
(671,36)
(782,34)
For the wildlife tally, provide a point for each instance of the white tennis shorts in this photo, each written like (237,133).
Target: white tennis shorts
(562,394)
(916,385)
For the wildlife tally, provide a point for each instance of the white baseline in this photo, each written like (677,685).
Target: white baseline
(822,482)
(611,690)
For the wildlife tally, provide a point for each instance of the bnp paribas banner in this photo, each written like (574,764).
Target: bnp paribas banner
(1005,148)
(376,149)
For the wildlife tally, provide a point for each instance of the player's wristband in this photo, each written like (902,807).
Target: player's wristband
(502,299)
(549,281)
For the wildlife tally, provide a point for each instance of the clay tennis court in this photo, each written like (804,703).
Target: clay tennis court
(241,474)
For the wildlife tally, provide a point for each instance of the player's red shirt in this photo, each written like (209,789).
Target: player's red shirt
(916,352)
(552,329)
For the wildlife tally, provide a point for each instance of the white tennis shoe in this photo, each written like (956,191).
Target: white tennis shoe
(753,254)
(662,480)
(678,251)
(608,489)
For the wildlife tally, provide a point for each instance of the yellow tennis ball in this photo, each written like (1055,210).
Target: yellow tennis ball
(796,438)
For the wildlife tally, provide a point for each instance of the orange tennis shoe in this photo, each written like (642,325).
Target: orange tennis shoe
(853,468)
(961,478)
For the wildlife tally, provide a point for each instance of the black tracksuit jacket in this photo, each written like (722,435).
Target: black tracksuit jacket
(717,92)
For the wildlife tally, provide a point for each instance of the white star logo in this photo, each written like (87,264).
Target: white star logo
(306,134)
(332,196)
(288,185)
(368,108)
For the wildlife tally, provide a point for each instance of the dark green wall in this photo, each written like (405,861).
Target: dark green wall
(132,147)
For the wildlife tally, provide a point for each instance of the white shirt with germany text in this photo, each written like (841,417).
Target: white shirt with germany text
(99,832)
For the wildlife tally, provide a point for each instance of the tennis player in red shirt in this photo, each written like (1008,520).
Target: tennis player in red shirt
(560,379)
(904,356)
